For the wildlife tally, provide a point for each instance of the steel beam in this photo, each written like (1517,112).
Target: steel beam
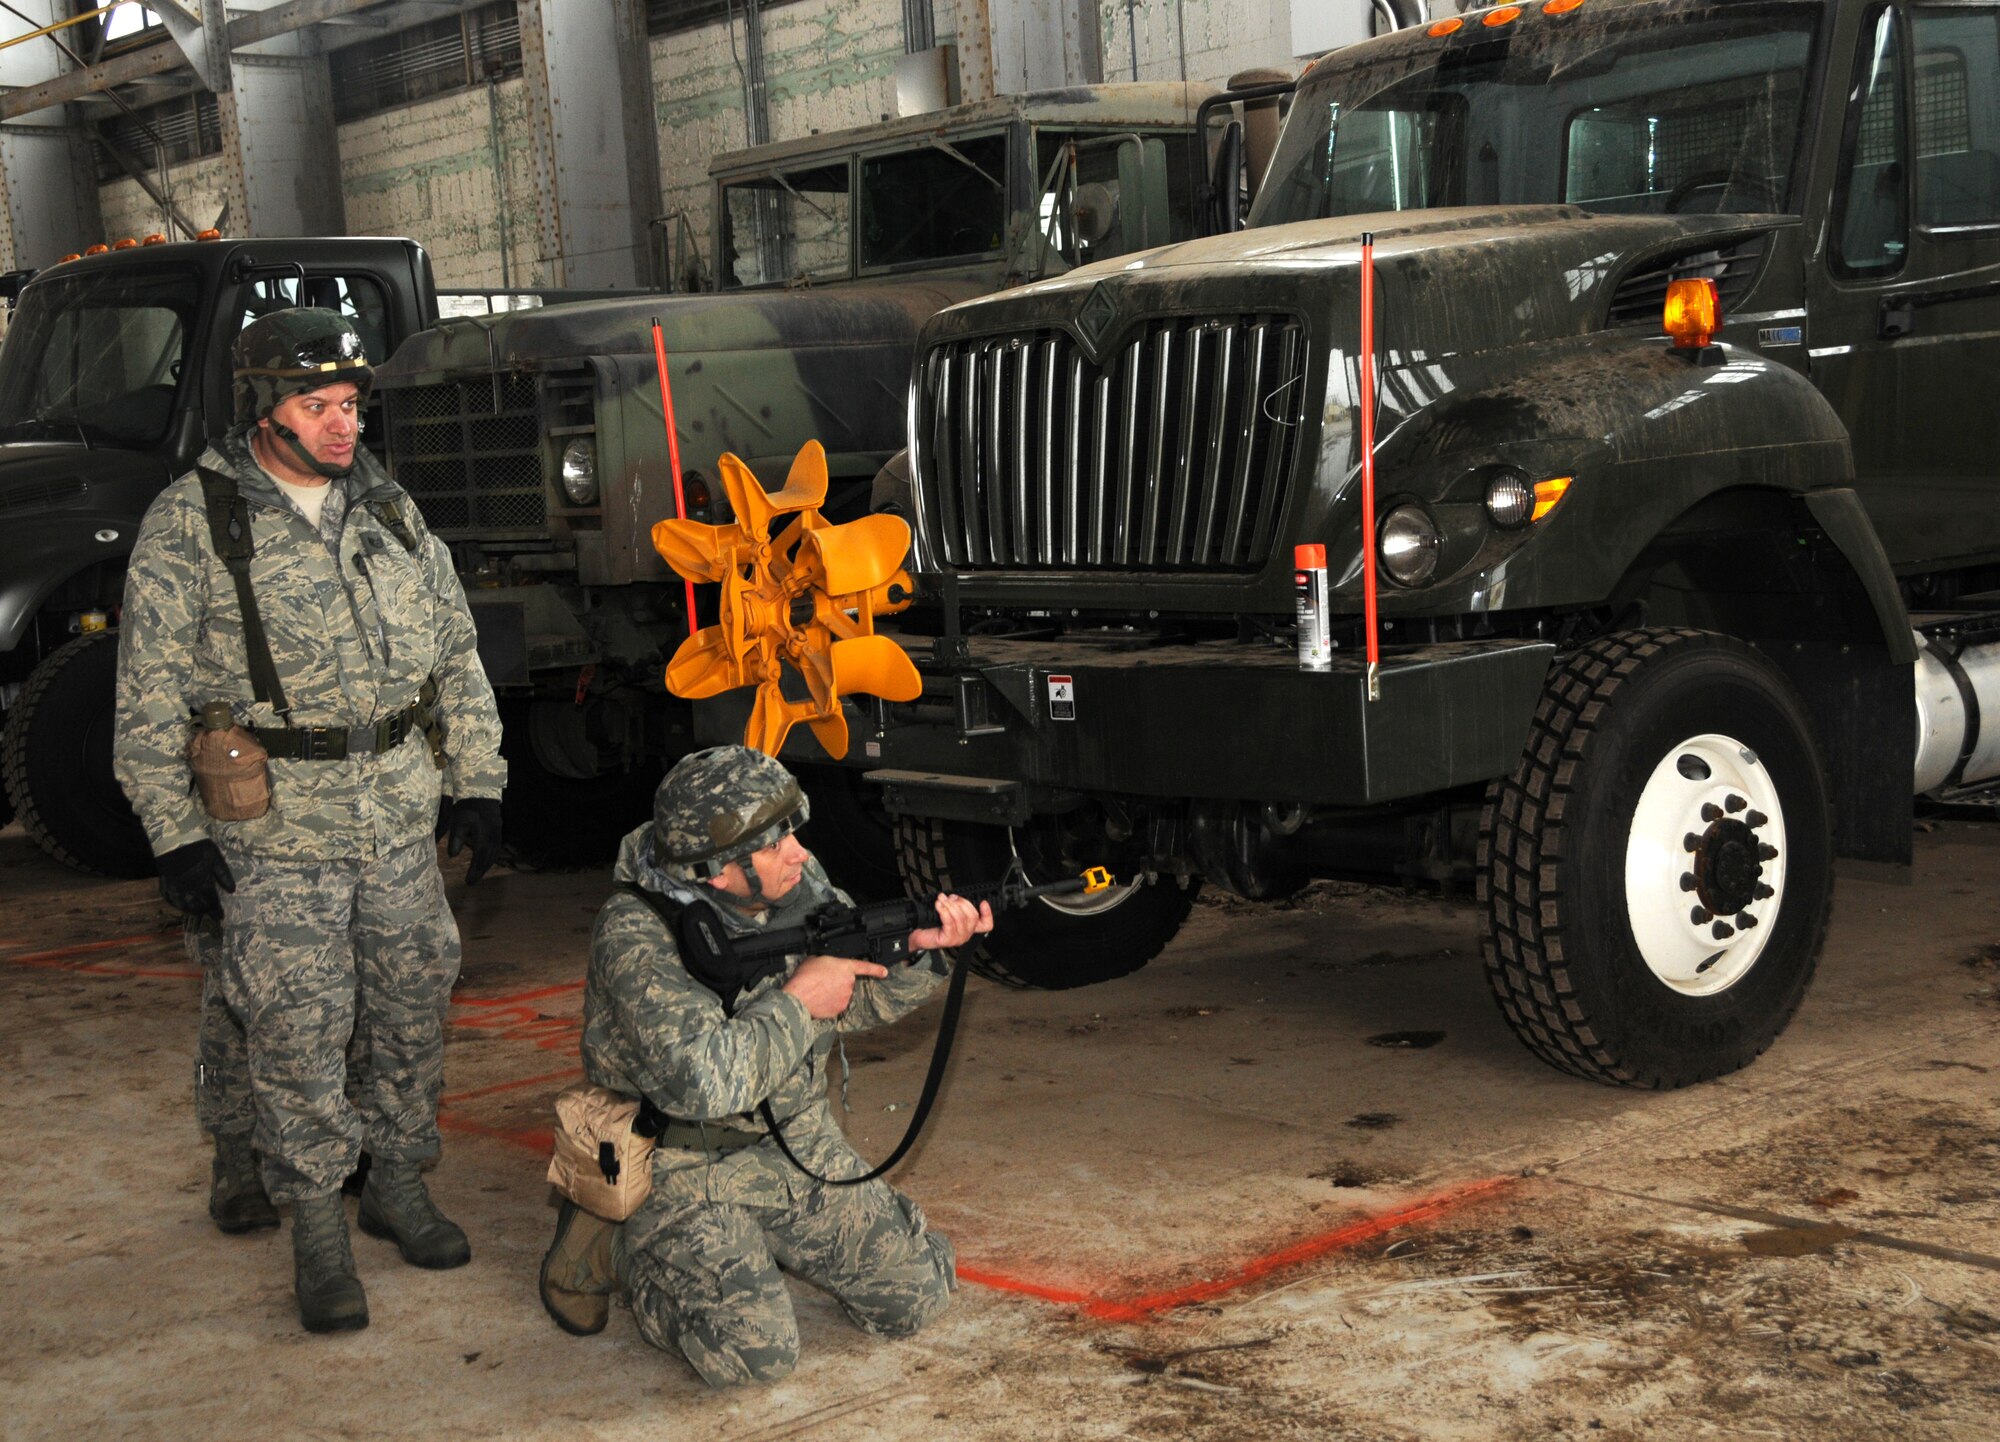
(591,234)
(165,55)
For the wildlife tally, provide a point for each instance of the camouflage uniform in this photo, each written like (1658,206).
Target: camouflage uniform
(701,1257)
(337,886)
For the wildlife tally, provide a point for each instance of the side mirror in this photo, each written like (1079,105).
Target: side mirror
(1142,194)
(1225,182)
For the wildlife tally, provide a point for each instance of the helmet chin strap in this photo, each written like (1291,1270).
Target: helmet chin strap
(305,457)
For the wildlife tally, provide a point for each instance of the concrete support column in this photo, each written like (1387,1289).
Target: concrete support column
(1007,47)
(48,179)
(584,97)
(280,152)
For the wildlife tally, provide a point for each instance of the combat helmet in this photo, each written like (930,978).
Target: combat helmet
(289,352)
(718,806)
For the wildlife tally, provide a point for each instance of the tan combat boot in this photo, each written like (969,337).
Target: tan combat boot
(330,1295)
(236,1198)
(395,1205)
(577,1276)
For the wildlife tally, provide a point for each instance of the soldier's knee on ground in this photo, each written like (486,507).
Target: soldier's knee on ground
(723,1365)
(908,1309)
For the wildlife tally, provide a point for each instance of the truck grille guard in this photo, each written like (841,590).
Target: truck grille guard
(1176,453)
(473,454)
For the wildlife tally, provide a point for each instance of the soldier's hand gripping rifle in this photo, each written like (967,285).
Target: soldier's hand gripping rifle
(878,931)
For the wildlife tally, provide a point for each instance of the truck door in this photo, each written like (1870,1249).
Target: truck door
(1905,303)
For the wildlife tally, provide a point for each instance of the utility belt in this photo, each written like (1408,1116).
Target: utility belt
(688,1136)
(337,743)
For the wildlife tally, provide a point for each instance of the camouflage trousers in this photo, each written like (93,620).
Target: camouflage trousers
(313,952)
(222,1104)
(705,1280)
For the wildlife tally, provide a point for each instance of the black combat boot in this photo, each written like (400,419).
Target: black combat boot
(330,1295)
(395,1205)
(236,1196)
(577,1278)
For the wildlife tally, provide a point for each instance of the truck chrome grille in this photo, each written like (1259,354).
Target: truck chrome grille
(470,455)
(1177,453)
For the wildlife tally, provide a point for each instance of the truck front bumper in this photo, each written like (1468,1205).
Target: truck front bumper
(1214,720)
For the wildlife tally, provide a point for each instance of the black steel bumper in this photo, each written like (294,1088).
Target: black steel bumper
(1216,720)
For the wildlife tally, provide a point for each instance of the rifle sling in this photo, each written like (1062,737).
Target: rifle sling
(229,530)
(669,913)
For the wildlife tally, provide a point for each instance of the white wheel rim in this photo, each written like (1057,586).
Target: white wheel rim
(1708,833)
(1080,903)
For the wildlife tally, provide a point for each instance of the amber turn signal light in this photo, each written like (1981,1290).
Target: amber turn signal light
(1560,7)
(1505,15)
(1693,312)
(1547,493)
(1445,27)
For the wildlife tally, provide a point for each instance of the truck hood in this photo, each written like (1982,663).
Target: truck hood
(1453,281)
(563,336)
(43,476)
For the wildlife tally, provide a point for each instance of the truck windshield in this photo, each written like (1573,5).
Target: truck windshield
(1628,108)
(97,357)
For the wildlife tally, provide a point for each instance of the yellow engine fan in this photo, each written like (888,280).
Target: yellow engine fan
(806,598)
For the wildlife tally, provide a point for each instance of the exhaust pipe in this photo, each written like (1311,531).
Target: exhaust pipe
(1958,715)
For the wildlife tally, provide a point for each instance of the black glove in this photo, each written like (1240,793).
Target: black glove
(190,876)
(475,822)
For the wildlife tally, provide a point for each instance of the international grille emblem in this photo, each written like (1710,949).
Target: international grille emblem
(1093,320)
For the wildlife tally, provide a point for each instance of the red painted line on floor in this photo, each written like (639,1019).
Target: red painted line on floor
(87,948)
(1142,1308)
(508,1086)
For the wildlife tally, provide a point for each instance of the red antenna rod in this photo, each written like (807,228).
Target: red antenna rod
(673,445)
(1368,605)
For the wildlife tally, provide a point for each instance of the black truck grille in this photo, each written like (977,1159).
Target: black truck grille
(1177,453)
(470,455)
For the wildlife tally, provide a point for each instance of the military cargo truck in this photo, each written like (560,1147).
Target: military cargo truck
(1652,610)
(535,441)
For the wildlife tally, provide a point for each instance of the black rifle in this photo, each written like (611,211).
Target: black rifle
(877,932)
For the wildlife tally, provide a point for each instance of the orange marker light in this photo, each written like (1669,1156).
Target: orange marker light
(1560,7)
(1547,493)
(209,234)
(1505,15)
(1693,312)
(127,243)
(98,249)
(1445,27)
(154,239)
(73,255)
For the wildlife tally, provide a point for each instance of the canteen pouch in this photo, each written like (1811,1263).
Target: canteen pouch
(600,1162)
(231,768)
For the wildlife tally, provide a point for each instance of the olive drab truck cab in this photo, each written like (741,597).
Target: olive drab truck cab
(535,441)
(1665,624)
(115,374)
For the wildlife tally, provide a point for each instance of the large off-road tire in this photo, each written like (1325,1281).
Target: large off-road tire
(57,761)
(6,796)
(1051,944)
(552,820)
(1658,870)
(850,833)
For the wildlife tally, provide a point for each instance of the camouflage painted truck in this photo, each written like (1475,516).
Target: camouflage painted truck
(535,442)
(1667,625)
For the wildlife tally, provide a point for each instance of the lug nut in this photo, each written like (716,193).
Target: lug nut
(1763,892)
(1690,842)
(1688,883)
(1766,852)
(1735,803)
(1722,931)
(1744,921)
(1756,819)
(1710,811)
(1700,916)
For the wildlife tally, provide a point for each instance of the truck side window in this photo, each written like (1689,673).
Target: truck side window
(1957,105)
(1872,221)
(941,202)
(358,297)
(791,226)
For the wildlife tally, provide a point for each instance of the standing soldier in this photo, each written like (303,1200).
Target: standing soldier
(296,645)
(701,1255)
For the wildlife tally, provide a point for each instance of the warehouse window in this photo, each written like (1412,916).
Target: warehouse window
(431,59)
(178,130)
(124,24)
(667,17)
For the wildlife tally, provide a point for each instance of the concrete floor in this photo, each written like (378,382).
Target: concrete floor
(1202,1202)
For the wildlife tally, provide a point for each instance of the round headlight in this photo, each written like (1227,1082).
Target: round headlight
(1510,500)
(1409,548)
(579,471)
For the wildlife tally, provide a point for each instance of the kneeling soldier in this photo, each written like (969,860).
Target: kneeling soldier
(701,1257)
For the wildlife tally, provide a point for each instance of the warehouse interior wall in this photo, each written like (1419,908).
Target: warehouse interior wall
(457,171)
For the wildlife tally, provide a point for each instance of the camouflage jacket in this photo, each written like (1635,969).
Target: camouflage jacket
(650,1029)
(355,624)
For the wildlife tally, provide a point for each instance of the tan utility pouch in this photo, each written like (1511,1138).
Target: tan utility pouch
(231,767)
(600,1163)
